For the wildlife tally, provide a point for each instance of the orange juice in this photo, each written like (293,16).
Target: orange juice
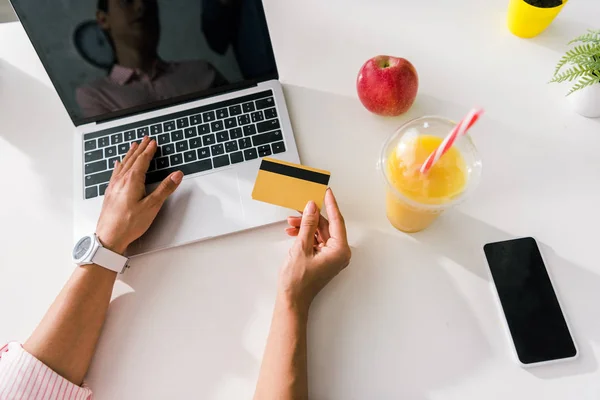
(414,200)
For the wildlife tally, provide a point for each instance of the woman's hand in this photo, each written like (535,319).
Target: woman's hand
(320,252)
(127,212)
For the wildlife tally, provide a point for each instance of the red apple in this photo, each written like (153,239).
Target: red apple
(387,85)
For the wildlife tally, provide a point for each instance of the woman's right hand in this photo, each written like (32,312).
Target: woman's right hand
(321,251)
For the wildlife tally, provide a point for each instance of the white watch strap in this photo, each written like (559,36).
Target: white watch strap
(110,260)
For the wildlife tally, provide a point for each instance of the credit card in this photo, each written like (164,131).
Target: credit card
(290,185)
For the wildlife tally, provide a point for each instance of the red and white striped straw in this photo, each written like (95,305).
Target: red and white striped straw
(460,129)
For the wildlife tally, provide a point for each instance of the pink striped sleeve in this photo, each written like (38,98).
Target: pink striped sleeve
(24,377)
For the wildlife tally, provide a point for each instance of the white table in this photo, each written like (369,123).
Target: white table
(413,316)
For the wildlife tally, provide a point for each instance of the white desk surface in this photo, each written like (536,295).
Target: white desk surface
(413,317)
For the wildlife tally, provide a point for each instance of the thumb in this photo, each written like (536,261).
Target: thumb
(166,188)
(308,226)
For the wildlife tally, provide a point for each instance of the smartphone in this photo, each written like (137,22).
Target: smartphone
(539,330)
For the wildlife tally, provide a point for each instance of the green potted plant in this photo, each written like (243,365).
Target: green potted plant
(582,64)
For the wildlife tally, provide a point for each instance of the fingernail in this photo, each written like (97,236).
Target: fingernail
(177,177)
(311,208)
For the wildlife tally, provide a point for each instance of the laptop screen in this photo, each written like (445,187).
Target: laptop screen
(109,58)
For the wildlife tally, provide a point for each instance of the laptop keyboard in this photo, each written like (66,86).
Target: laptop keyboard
(197,140)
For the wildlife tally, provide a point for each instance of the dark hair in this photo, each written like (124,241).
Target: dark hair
(103,5)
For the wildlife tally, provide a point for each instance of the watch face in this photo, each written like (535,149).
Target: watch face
(82,247)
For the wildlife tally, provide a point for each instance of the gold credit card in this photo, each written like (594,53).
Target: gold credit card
(290,185)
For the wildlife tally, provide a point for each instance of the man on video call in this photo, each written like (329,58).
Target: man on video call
(139,76)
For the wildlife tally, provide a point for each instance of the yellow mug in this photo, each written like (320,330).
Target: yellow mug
(527,21)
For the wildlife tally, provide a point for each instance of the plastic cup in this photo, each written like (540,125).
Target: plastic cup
(527,21)
(404,211)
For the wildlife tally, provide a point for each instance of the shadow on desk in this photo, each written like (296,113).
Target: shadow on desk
(34,122)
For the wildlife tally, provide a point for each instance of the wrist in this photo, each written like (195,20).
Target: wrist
(112,244)
(292,304)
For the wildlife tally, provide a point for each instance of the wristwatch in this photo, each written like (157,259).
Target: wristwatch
(89,250)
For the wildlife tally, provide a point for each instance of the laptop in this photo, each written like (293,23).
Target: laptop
(199,77)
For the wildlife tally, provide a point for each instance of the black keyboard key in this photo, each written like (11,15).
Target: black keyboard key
(278,147)
(162,163)
(268,125)
(157,153)
(152,166)
(270,113)
(195,143)
(129,136)
(96,166)
(203,129)
(91,192)
(110,151)
(222,136)
(222,113)
(196,119)
(245,143)
(217,150)
(250,154)
(189,156)
(248,107)
(176,135)
(183,123)
(208,116)
(164,139)
(264,151)
(141,132)
(265,138)
(231,146)
(230,123)
(138,141)
(190,132)
(221,161)
(187,169)
(265,103)
(216,126)
(203,153)
(90,145)
(156,129)
(235,110)
(103,141)
(93,156)
(181,146)
(169,126)
(236,157)
(249,130)
(243,119)
(95,179)
(207,140)
(257,116)
(112,161)
(102,189)
(176,159)
(168,149)
(123,148)
(236,133)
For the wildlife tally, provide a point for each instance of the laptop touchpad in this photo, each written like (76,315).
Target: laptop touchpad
(200,208)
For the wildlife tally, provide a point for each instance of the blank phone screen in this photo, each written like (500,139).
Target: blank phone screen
(535,320)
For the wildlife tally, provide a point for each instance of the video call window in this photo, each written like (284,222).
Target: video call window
(107,56)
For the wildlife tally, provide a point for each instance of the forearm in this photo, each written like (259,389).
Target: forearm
(283,374)
(66,337)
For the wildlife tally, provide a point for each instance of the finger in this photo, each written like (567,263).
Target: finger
(139,150)
(323,231)
(143,161)
(116,170)
(294,221)
(337,226)
(165,189)
(129,154)
(292,231)
(308,227)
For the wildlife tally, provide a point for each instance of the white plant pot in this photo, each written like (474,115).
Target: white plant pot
(586,101)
